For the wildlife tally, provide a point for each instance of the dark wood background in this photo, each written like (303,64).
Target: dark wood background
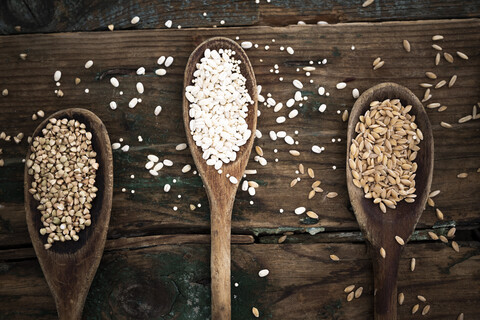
(156,260)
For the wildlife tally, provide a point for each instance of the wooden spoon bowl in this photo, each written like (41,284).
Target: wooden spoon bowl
(220,191)
(69,267)
(378,228)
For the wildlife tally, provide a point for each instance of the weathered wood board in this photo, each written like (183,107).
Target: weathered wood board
(94,15)
(149,210)
(167,281)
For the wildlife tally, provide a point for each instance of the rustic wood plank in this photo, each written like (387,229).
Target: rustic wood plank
(150,210)
(92,15)
(303,283)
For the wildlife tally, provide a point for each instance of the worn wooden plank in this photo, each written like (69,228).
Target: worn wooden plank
(92,15)
(173,281)
(150,210)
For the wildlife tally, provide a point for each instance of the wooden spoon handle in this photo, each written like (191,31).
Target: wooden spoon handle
(70,308)
(220,260)
(385,272)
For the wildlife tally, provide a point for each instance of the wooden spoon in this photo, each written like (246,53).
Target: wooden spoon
(220,191)
(69,267)
(378,228)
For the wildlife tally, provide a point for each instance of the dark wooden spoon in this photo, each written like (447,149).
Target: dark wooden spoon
(378,228)
(220,191)
(69,267)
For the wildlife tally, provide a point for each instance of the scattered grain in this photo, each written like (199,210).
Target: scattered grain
(446,125)
(465,119)
(437,47)
(358,292)
(401,298)
(443,239)
(440,84)
(406,45)
(462,175)
(451,232)
(455,246)
(367,3)
(462,55)
(437,58)
(437,37)
(350,296)
(383,253)
(312,214)
(432,235)
(310,172)
(425,309)
(452,81)
(448,57)
(431,75)
(415,308)
(349,288)
(379,65)
(399,240)
(255,312)
(334,257)
(345,116)
(412,264)
(332,195)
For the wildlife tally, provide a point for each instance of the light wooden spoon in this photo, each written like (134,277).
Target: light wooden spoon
(69,267)
(378,228)
(220,191)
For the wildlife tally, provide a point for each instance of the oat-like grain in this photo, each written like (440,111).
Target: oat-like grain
(406,45)
(455,246)
(358,292)
(440,84)
(332,195)
(452,81)
(310,172)
(451,232)
(312,214)
(415,308)
(293,182)
(430,202)
(316,184)
(446,125)
(376,61)
(432,235)
(379,65)
(367,3)
(437,47)
(259,151)
(448,57)
(443,239)
(442,108)
(349,288)
(462,55)
(255,312)
(426,85)
(334,257)
(399,240)
(350,296)
(437,37)
(301,168)
(431,75)
(345,116)
(421,298)
(383,253)
(311,194)
(401,298)
(460,316)
(439,214)
(462,175)
(437,58)
(465,119)
(433,194)
(425,309)
(413,263)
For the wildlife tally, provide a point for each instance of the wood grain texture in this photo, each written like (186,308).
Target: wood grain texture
(380,229)
(69,267)
(220,191)
(173,281)
(39,16)
(150,211)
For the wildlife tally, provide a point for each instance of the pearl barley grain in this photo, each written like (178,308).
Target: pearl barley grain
(219,101)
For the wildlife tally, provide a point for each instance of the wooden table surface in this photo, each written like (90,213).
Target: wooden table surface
(156,261)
